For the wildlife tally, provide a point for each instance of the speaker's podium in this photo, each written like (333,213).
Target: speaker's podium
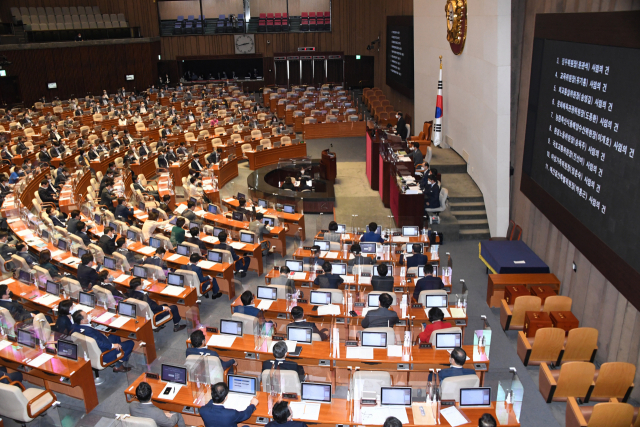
(328,169)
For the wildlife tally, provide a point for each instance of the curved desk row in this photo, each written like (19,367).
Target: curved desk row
(271,156)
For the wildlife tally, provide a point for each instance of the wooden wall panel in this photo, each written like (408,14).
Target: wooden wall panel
(213,8)
(83,69)
(268,6)
(173,9)
(596,302)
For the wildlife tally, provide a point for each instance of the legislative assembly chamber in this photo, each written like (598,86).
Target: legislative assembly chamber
(331,213)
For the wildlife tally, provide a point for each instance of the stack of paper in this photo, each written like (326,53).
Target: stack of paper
(348,279)
(237,245)
(174,257)
(181,209)
(444,310)
(457,312)
(453,416)
(238,401)
(206,264)
(364,353)
(46,299)
(24,233)
(4,344)
(147,250)
(265,304)
(332,254)
(43,358)
(210,239)
(221,341)
(172,290)
(104,317)
(376,415)
(394,351)
(56,253)
(80,307)
(6,281)
(330,309)
(121,278)
(402,239)
(71,260)
(299,276)
(365,280)
(119,322)
(305,411)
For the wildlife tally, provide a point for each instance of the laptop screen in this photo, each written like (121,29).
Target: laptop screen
(324,245)
(373,300)
(62,245)
(439,301)
(242,384)
(45,234)
(268,221)
(342,228)
(238,216)
(479,396)
(155,243)
(263,203)
(67,349)
(265,292)
(110,263)
(53,288)
(113,225)
(97,219)
(127,309)
(301,335)
(26,338)
(87,299)
(231,327)
(294,266)
(374,339)
(395,396)
(214,256)
(241,196)
(175,279)
(410,231)
(339,268)
(448,340)
(131,235)
(246,237)
(289,209)
(217,230)
(212,209)
(140,271)
(316,392)
(320,298)
(368,248)
(183,250)
(389,271)
(174,374)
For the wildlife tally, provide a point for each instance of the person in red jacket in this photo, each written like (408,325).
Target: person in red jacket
(436,317)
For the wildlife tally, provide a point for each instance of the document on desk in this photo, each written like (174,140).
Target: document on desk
(121,278)
(56,253)
(46,299)
(24,233)
(376,415)
(394,351)
(457,312)
(299,276)
(238,401)
(265,304)
(104,317)
(180,209)
(364,280)
(348,278)
(454,416)
(402,239)
(80,307)
(210,239)
(4,344)
(206,264)
(43,358)
(12,220)
(332,254)
(323,254)
(174,257)
(237,245)
(172,290)
(119,322)
(329,309)
(364,353)
(147,250)
(291,345)
(221,341)
(305,411)
(174,389)
(71,260)
(7,281)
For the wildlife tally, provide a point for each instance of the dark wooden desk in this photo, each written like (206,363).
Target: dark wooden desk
(147,167)
(333,130)
(258,159)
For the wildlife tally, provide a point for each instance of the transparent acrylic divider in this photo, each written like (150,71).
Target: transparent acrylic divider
(482,340)
(192,317)
(137,362)
(198,380)
(51,417)
(7,325)
(510,396)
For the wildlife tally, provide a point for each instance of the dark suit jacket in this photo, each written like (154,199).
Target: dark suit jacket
(197,241)
(16,309)
(383,284)
(171,157)
(84,237)
(371,237)
(328,281)
(122,211)
(285,365)
(45,196)
(219,416)
(103,343)
(416,260)
(87,276)
(197,270)
(225,247)
(93,155)
(402,128)
(165,133)
(380,318)
(213,157)
(56,221)
(60,180)
(55,152)
(433,197)
(287,424)
(156,260)
(71,225)
(43,156)
(107,199)
(107,244)
(305,324)
(454,372)
(143,151)
(63,325)
(248,310)
(162,162)
(196,165)
(427,283)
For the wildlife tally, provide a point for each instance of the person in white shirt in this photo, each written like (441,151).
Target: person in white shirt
(150,225)
(195,189)
(122,121)
(136,117)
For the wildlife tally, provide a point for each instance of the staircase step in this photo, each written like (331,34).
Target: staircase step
(462,215)
(469,224)
(478,199)
(475,234)
(466,206)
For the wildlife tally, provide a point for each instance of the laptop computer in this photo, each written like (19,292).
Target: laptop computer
(231,327)
(26,338)
(320,298)
(478,397)
(302,335)
(342,228)
(440,301)
(368,248)
(67,350)
(373,300)
(294,265)
(53,288)
(175,279)
(127,309)
(374,339)
(140,271)
(448,340)
(339,268)
(315,392)
(214,256)
(395,396)
(87,299)
(323,244)
(268,293)
(410,231)
(242,384)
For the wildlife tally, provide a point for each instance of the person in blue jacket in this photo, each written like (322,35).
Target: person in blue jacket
(371,236)
(242,264)
(204,281)
(198,347)
(283,416)
(214,414)
(247,306)
(457,360)
(417,259)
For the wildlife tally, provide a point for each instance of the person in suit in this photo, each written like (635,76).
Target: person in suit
(297,313)
(328,280)
(23,251)
(288,184)
(415,154)
(18,312)
(15,175)
(182,150)
(44,193)
(357,258)
(78,112)
(106,198)
(63,322)
(43,156)
(371,236)
(193,260)
(137,185)
(382,282)
(280,352)
(143,150)
(214,157)
(132,257)
(87,276)
(314,262)
(199,348)
(428,282)
(283,416)
(162,159)
(166,131)
(144,408)
(126,138)
(401,126)
(123,212)
(241,264)
(332,235)
(418,258)
(80,232)
(177,232)
(247,306)
(113,343)
(195,163)
(382,317)
(457,359)
(107,241)
(61,177)
(45,262)
(156,308)
(171,156)
(436,322)
(54,136)
(58,220)
(214,414)
(433,195)
(21,146)
(156,259)
(4,186)
(258,227)
(7,248)
(74,218)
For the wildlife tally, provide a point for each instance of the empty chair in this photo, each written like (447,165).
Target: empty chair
(24,404)
(545,347)
(614,379)
(289,381)
(581,345)
(451,386)
(573,379)
(557,303)
(371,381)
(609,414)
(248,322)
(512,317)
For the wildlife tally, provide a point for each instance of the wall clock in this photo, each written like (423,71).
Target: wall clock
(456,14)
(244,43)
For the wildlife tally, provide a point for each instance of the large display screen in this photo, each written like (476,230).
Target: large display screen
(400,54)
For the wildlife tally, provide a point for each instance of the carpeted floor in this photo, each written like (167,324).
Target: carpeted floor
(353,197)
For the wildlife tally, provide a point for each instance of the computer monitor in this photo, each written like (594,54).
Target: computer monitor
(242,384)
(193,199)
(267,292)
(440,301)
(62,245)
(301,335)
(114,226)
(24,277)
(139,271)
(268,221)
(368,248)
(237,216)
(173,221)
(155,242)
(109,263)
(290,209)
(213,209)
(97,219)
(26,338)
(217,230)
(320,298)
(478,397)
(421,271)
(373,300)
(339,268)
(53,288)
(379,230)
(231,327)
(175,279)
(87,299)
(342,228)
(131,235)
(374,339)
(241,196)
(127,309)
(173,374)
(410,231)
(183,250)
(246,237)
(67,349)
(263,203)
(410,247)
(324,244)
(44,234)
(315,392)
(142,206)
(395,396)
(294,265)
(389,270)
(448,340)
(81,252)
(214,256)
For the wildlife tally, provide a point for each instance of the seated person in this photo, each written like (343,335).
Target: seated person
(199,347)
(382,282)
(87,276)
(23,251)
(112,342)
(332,235)
(17,311)
(132,257)
(357,258)
(428,282)
(157,259)
(241,264)
(81,232)
(11,376)
(144,408)
(371,236)
(177,232)
(288,184)
(204,281)
(64,325)
(457,359)
(284,280)
(280,352)
(314,262)
(247,306)
(382,317)
(194,239)
(156,308)
(436,317)
(283,416)
(487,420)
(297,313)
(418,259)
(328,280)
(214,414)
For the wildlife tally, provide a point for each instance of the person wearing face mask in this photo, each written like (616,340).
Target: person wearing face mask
(416,154)
(171,156)
(143,151)
(195,163)
(138,186)
(401,126)
(432,195)
(122,121)
(93,152)
(106,198)
(126,138)
(162,159)
(61,177)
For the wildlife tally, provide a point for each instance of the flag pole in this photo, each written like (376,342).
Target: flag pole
(437,126)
